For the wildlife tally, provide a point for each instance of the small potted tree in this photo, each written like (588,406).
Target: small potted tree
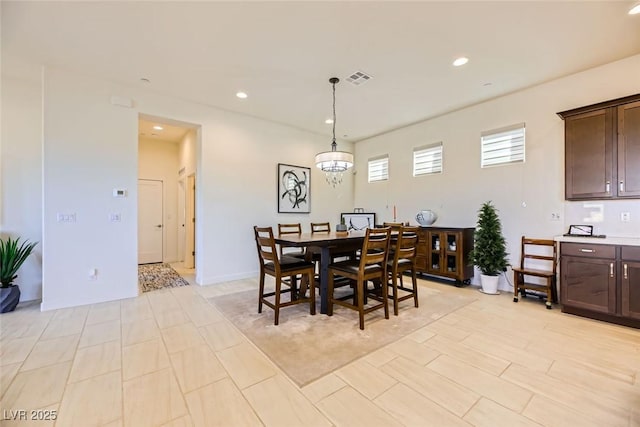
(489,252)
(12,256)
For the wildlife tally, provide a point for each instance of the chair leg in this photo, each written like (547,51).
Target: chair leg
(360,292)
(261,292)
(312,294)
(515,287)
(394,286)
(277,304)
(414,280)
(549,294)
(293,288)
(385,298)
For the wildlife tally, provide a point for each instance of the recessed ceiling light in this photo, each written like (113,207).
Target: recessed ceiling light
(241,95)
(635,9)
(156,127)
(329,121)
(460,61)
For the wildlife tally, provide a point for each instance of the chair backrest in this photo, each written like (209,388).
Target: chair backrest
(289,229)
(266,245)
(405,245)
(395,226)
(375,247)
(320,227)
(541,254)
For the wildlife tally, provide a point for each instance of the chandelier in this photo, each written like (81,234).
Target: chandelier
(334,163)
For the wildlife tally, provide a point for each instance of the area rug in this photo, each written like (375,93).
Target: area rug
(308,347)
(158,276)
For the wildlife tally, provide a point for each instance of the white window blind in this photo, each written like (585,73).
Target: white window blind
(427,160)
(502,146)
(379,169)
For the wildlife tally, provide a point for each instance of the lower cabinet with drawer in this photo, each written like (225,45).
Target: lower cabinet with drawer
(601,282)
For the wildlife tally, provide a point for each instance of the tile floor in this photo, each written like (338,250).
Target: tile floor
(169,358)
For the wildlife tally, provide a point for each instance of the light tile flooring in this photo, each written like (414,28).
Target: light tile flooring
(169,358)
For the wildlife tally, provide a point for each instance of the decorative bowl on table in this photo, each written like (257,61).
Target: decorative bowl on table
(426,217)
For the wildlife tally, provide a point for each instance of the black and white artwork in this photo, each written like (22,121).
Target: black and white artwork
(358,221)
(294,189)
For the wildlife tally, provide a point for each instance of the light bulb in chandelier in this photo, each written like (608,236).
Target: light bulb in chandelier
(334,163)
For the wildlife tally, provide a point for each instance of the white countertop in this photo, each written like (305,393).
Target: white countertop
(624,241)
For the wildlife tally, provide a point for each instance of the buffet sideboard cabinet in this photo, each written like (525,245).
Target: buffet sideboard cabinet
(444,252)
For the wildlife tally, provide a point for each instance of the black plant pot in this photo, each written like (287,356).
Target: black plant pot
(9,298)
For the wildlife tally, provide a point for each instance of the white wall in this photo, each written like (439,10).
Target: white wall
(458,192)
(21,175)
(159,160)
(90,147)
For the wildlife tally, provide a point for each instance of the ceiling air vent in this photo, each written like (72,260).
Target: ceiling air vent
(358,78)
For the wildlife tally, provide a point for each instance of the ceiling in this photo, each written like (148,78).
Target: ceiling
(160,130)
(282,54)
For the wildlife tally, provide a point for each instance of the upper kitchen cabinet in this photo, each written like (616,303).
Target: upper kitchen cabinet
(602,150)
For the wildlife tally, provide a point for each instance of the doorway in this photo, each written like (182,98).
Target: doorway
(167,155)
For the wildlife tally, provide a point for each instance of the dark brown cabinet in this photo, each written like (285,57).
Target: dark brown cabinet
(588,277)
(602,150)
(601,282)
(444,252)
(630,289)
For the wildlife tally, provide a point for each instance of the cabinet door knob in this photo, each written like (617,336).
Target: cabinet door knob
(611,269)
(589,251)
(607,187)
(622,186)
(625,268)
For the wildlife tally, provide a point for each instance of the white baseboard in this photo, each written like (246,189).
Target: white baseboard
(212,280)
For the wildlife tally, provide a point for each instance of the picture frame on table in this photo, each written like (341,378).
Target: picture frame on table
(358,221)
(294,189)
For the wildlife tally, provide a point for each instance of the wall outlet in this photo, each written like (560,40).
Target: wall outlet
(625,216)
(555,216)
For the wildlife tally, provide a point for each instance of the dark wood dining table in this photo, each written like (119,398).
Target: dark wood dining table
(328,243)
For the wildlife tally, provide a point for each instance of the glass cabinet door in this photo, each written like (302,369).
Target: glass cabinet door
(435,249)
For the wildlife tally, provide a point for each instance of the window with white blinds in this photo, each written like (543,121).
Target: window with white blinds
(427,159)
(502,146)
(379,169)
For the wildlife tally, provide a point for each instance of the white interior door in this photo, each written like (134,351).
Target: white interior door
(190,208)
(150,225)
(182,201)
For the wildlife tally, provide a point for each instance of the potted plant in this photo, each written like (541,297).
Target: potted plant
(489,253)
(12,256)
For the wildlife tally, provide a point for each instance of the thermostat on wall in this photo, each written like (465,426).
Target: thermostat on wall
(119,192)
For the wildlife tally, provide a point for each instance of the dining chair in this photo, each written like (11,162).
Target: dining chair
(538,260)
(402,258)
(320,227)
(372,266)
(284,229)
(395,226)
(280,267)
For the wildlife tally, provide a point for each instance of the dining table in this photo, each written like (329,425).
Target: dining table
(328,244)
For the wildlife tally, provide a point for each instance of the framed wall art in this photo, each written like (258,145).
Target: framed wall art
(358,221)
(294,189)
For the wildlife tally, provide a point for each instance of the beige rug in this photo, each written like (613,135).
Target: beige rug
(308,347)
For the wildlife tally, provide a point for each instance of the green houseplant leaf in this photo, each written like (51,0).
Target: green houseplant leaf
(489,252)
(12,255)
